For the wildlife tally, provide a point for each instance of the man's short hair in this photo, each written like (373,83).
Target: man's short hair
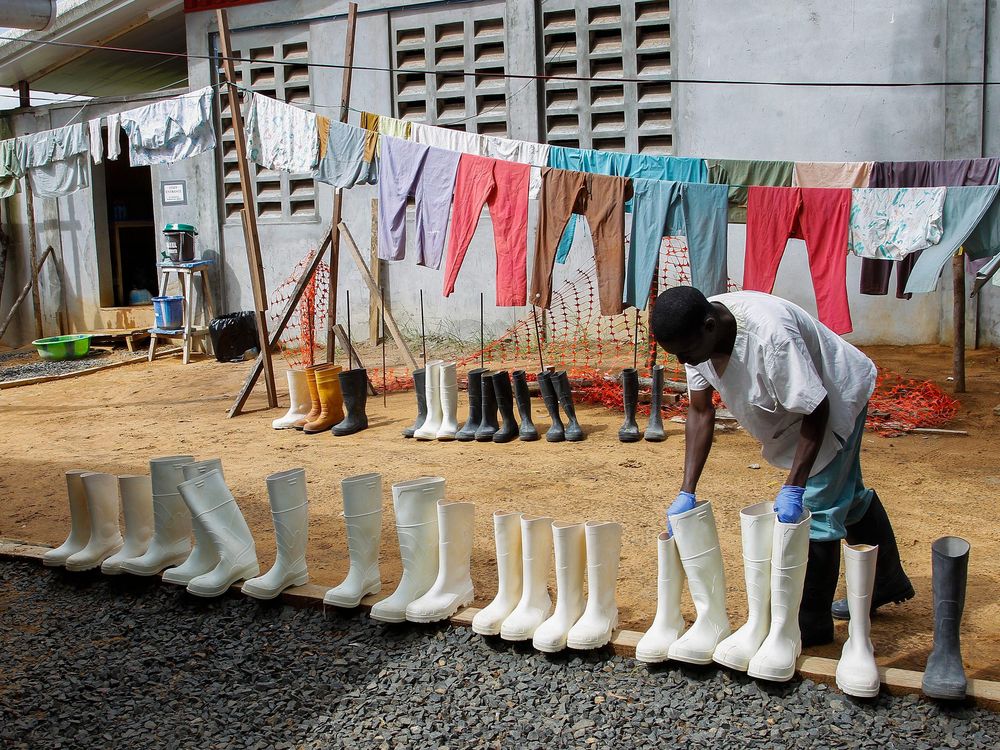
(679,313)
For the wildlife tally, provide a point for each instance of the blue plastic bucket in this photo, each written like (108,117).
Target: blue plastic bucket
(168,312)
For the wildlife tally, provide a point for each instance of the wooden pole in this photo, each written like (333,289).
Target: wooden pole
(20,298)
(338,196)
(249,213)
(36,296)
(958,313)
(375,265)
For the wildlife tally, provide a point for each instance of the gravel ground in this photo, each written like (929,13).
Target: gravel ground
(92,662)
(19,365)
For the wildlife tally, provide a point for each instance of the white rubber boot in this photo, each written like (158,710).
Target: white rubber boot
(600,618)
(300,401)
(757,527)
(136,494)
(570,543)
(432,390)
(697,540)
(363,518)
(203,556)
(215,507)
(776,657)
(535,606)
(171,542)
(857,672)
(449,403)
(668,624)
(452,588)
(286,492)
(105,535)
(415,503)
(507,531)
(79,520)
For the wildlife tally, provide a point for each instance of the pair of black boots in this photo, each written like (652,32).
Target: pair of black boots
(354,390)
(490,393)
(629,432)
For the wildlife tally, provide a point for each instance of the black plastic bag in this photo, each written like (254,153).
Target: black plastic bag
(233,335)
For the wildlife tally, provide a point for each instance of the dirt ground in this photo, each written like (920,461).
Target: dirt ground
(116,421)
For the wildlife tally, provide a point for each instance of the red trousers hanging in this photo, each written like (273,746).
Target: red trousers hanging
(820,216)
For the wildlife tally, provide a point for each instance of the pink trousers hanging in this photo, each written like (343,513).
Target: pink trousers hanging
(503,186)
(820,216)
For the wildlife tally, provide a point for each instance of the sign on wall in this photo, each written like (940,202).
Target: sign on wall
(193,6)
(173,192)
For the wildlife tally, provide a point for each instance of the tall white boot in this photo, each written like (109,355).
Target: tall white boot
(697,540)
(214,506)
(600,618)
(415,503)
(286,492)
(776,657)
(857,672)
(535,606)
(171,542)
(203,556)
(432,390)
(299,401)
(363,518)
(452,588)
(449,403)
(105,534)
(79,520)
(136,493)
(668,624)
(757,527)
(569,541)
(507,530)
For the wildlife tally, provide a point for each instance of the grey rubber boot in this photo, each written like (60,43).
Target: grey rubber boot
(488,424)
(629,432)
(468,432)
(556,433)
(891,583)
(522,396)
(505,402)
(418,385)
(574,433)
(654,430)
(944,676)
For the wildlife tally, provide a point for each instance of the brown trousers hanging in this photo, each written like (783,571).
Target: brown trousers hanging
(601,199)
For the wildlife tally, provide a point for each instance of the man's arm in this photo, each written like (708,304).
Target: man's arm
(810,440)
(698,432)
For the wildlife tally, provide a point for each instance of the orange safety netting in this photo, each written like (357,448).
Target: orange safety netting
(298,342)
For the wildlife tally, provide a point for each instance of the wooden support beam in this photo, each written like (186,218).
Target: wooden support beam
(30,286)
(958,313)
(366,276)
(23,94)
(374,336)
(36,295)
(249,213)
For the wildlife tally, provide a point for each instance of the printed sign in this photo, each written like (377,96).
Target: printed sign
(173,193)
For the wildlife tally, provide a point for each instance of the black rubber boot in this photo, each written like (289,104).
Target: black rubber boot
(822,574)
(505,402)
(468,432)
(488,424)
(419,386)
(560,381)
(654,430)
(891,583)
(556,433)
(354,387)
(522,396)
(944,676)
(629,432)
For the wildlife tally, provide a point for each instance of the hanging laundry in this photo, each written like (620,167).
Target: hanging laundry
(971,220)
(171,129)
(820,216)
(10,168)
(831,174)
(343,162)
(601,199)
(114,135)
(503,186)
(96,142)
(428,174)
(739,174)
(663,208)
(55,161)
(281,136)
(379,125)
(891,223)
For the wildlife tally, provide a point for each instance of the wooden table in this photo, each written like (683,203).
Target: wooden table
(190,333)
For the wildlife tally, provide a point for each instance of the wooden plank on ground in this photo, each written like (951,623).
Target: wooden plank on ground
(79,373)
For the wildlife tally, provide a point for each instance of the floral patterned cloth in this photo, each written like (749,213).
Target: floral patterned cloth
(891,223)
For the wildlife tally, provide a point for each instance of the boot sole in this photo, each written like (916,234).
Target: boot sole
(485,631)
(99,563)
(651,659)
(437,617)
(264,595)
(391,619)
(527,438)
(547,649)
(731,664)
(944,695)
(350,603)
(248,572)
(857,692)
(173,561)
(629,438)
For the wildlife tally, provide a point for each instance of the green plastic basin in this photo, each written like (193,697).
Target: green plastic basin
(63,347)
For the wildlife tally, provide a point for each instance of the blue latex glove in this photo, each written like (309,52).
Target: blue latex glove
(788,504)
(684,502)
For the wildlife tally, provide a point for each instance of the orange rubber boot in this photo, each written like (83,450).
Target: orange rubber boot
(331,401)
